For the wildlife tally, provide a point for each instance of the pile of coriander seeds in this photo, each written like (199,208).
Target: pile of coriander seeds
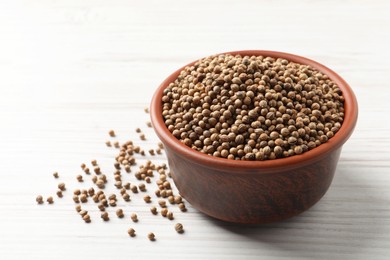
(141,182)
(252,107)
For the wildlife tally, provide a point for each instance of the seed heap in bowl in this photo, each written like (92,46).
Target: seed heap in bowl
(252,107)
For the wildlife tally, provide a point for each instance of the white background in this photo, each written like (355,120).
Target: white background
(70,70)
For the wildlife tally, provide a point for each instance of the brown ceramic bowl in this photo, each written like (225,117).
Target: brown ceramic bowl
(255,191)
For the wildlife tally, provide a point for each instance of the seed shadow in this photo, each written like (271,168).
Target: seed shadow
(347,222)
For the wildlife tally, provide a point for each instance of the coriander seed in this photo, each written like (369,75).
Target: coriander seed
(131,232)
(55,174)
(119,213)
(151,236)
(134,217)
(39,199)
(61,186)
(111,133)
(179,228)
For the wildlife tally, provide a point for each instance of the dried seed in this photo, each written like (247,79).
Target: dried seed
(105,216)
(142,137)
(76,199)
(151,236)
(91,191)
(83,166)
(178,199)
(39,199)
(61,186)
(86,170)
(131,232)
(83,198)
(116,144)
(146,109)
(79,178)
(78,208)
(170,215)
(153,210)
(108,143)
(59,194)
(142,187)
(164,212)
(112,203)
(111,133)
(147,199)
(182,207)
(126,197)
(138,130)
(134,217)
(162,203)
(119,213)
(149,124)
(179,228)
(87,219)
(83,213)
(134,188)
(55,175)
(97,170)
(171,199)
(100,184)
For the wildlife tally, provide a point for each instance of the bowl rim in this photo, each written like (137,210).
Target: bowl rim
(266,166)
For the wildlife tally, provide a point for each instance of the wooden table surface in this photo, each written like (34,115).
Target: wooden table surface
(70,70)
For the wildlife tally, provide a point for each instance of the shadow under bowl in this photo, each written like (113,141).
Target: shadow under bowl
(255,191)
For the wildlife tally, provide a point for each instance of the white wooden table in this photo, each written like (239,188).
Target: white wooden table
(70,70)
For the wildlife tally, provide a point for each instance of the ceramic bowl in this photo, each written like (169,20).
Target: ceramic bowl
(255,191)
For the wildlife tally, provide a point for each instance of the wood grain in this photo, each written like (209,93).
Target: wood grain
(71,70)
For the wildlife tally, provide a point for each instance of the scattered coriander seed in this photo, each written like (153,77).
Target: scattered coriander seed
(59,194)
(126,197)
(100,184)
(162,203)
(87,218)
(148,180)
(78,208)
(111,133)
(170,215)
(76,199)
(151,236)
(146,109)
(138,130)
(39,199)
(61,186)
(77,192)
(134,188)
(91,191)
(83,213)
(131,232)
(97,170)
(147,199)
(142,137)
(116,144)
(94,163)
(108,143)
(151,152)
(112,203)
(164,212)
(171,199)
(160,145)
(79,178)
(86,170)
(83,166)
(149,124)
(179,228)
(55,174)
(142,187)
(83,198)
(127,168)
(178,199)
(158,151)
(134,217)
(119,213)
(182,207)
(101,207)
(105,216)
(126,185)
(153,210)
